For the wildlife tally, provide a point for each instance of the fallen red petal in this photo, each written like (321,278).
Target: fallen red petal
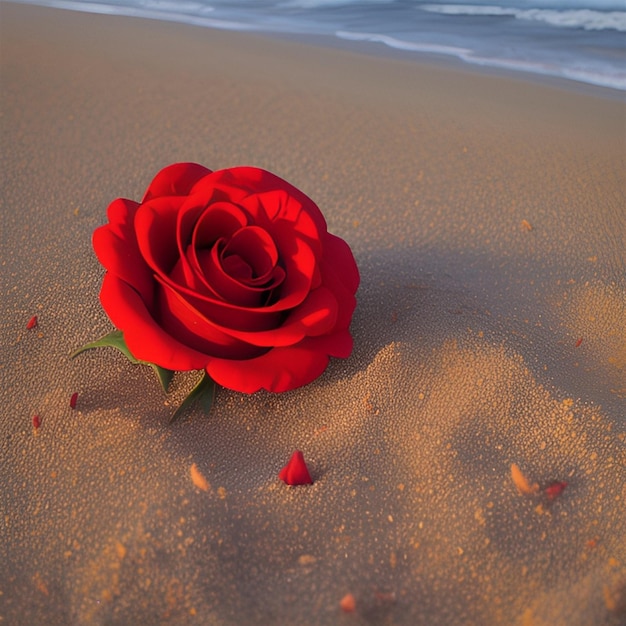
(73,400)
(36,421)
(296,471)
(580,340)
(32,322)
(555,489)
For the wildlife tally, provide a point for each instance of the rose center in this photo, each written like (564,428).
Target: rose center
(243,269)
(237,268)
(250,256)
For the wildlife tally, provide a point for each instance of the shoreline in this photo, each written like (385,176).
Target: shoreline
(380,50)
(432,59)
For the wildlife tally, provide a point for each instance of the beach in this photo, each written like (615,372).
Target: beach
(468,459)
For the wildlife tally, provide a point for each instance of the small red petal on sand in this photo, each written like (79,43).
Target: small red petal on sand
(348,603)
(36,421)
(580,340)
(296,471)
(73,400)
(32,322)
(555,489)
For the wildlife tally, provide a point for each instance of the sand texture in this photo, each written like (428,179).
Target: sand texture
(488,219)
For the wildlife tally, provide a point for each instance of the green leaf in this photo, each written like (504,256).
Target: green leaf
(164,375)
(202,394)
(115,339)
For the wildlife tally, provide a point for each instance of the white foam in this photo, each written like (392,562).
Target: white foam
(129,11)
(319,4)
(614,79)
(571,18)
(399,44)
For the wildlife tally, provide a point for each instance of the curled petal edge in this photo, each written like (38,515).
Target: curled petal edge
(143,336)
(282,369)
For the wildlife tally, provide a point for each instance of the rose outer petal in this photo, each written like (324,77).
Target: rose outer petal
(343,261)
(155,230)
(281,369)
(116,247)
(253,180)
(280,212)
(145,339)
(345,297)
(175,180)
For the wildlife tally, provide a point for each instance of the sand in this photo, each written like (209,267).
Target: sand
(488,219)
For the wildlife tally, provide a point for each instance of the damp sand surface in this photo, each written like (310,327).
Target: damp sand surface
(468,459)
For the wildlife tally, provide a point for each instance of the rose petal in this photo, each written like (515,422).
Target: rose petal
(345,297)
(216,186)
(244,271)
(155,228)
(183,321)
(218,274)
(343,262)
(337,344)
(145,339)
(316,316)
(256,248)
(555,489)
(296,472)
(224,314)
(269,200)
(184,275)
(199,226)
(175,180)
(258,181)
(272,209)
(115,245)
(221,221)
(281,369)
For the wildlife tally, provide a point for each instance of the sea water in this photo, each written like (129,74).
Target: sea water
(580,40)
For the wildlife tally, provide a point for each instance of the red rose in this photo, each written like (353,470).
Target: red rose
(231,271)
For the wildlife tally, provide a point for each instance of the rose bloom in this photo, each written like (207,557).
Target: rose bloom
(233,272)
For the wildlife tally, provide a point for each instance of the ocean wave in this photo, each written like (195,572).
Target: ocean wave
(592,57)
(195,8)
(325,4)
(399,44)
(160,13)
(570,18)
(601,76)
